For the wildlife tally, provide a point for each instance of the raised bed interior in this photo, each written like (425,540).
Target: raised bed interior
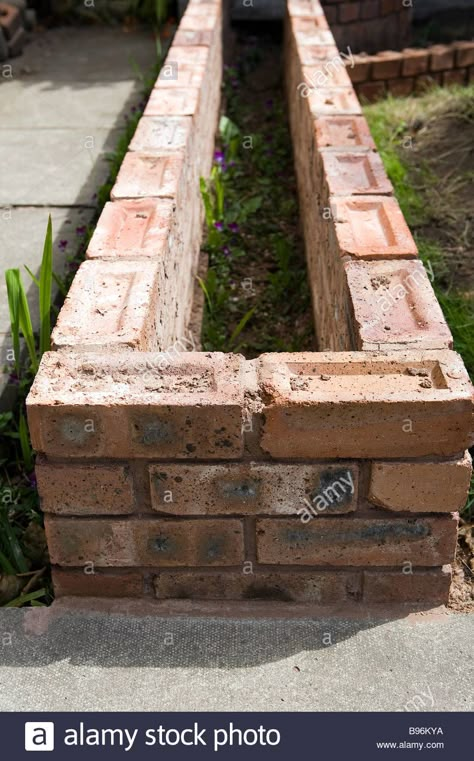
(322,477)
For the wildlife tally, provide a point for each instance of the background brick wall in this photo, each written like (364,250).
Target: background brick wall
(412,69)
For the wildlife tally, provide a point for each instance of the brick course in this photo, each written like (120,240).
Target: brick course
(327,477)
(411,70)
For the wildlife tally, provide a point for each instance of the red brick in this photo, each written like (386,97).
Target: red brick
(365,404)
(354,541)
(441,57)
(371,91)
(333,102)
(355,174)
(70,489)
(454,77)
(173,102)
(464,53)
(388,6)
(138,405)
(343,132)
(360,72)
(310,55)
(10,20)
(189,55)
(322,587)
(193,36)
(310,32)
(205,18)
(414,62)
(308,25)
(79,583)
(305,8)
(372,227)
(401,87)
(431,487)
(161,135)
(110,305)
(332,73)
(145,176)
(369,9)
(253,488)
(386,65)
(155,542)
(425,587)
(393,306)
(179,75)
(349,12)
(133,229)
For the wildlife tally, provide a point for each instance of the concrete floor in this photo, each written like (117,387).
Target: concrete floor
(61,112)
(68,658)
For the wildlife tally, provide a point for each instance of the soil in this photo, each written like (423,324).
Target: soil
(254,101)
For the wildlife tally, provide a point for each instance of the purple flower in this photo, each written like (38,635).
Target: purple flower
(219,226)
(226,251)
(32,480)
(219,157)
(81,230)
(232,163)
(233,227)
(14,379)
(63,245)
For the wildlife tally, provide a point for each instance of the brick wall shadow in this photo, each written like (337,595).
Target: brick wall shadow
(89,637)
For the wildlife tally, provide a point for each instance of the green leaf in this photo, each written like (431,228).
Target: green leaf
(207,203)
(11,279)
(6,566)
(252,205)
(238,330)
(206,292)
(33,277)
(219,187)
(25,444)
(46,280)
(227,129)
(13,546)
(26,326)
(18,602)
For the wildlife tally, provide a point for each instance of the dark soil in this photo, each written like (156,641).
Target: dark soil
(265,269)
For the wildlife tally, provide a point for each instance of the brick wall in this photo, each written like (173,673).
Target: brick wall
(368,25)
(412,69)
(323,477)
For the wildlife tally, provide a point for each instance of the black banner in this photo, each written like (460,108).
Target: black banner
(276,736)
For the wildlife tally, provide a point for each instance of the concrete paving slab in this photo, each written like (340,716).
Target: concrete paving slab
(90,660)
(33,104)
(58,167)
(86,55)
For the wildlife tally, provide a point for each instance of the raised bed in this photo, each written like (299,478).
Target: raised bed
(324,477)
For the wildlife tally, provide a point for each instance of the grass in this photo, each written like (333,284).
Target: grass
(426,145)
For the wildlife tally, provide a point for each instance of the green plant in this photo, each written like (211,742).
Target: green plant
(20,317)
(252,243)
